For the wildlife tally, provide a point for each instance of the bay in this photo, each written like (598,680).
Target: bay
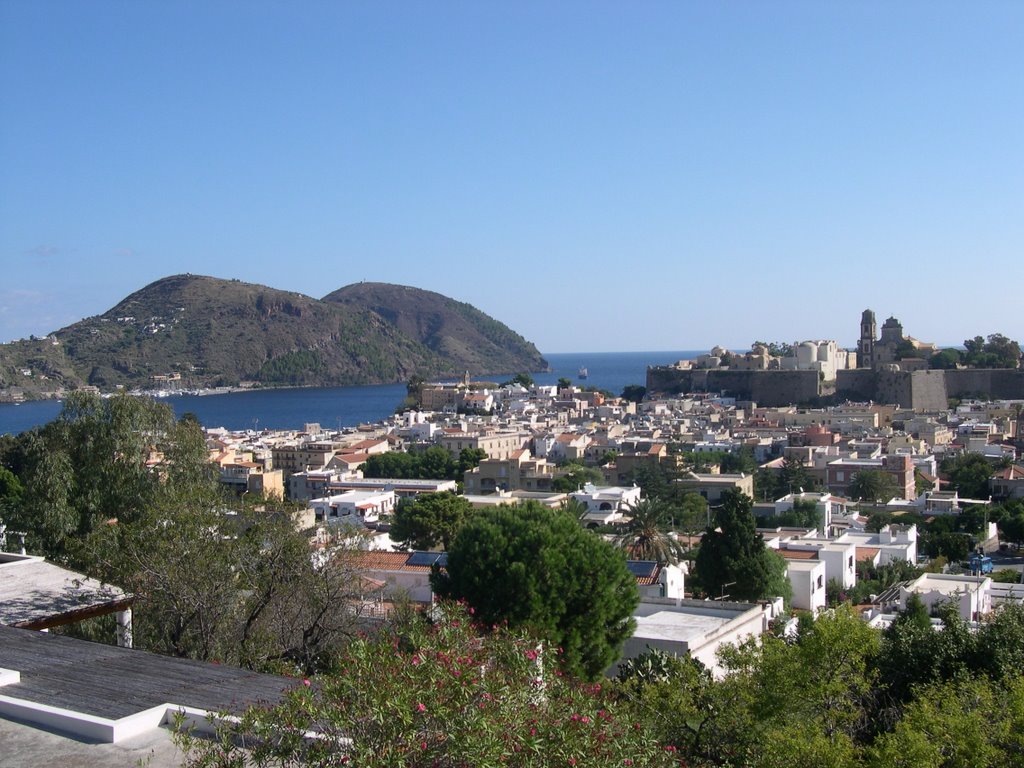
(337,407)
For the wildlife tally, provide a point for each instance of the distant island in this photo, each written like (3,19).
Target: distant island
(195,332)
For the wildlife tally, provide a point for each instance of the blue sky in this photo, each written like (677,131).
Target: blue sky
(599,176)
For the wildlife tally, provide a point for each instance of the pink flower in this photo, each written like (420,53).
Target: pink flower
(531,654)
(423,745)
(421,707)
(305,682)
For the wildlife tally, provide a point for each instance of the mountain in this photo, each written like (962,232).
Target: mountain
(216,332)
(452,329)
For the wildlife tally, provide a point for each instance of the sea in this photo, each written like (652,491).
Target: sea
(339,407)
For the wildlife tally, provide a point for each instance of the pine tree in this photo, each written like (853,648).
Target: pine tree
(733,558)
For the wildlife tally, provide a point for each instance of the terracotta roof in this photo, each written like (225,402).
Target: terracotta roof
(867,553)
(368,443)
(1012,472)
(646,581)
(798,554)
(352,458)
(377,560)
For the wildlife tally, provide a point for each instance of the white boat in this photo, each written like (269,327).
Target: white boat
(583,373)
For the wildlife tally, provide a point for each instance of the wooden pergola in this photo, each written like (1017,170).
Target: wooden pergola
(35,594)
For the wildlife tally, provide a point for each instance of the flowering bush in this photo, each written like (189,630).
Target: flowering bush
(441,694)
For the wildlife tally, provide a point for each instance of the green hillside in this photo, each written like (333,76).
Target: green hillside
(215,332)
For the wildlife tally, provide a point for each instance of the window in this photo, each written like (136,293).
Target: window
(819,582)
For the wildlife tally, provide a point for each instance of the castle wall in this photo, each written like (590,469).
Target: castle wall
(921,390)
(997,383)
(928,390)
(894,388)
(856,384)
(769,388)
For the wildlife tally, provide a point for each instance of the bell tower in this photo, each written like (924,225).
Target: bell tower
(866,346)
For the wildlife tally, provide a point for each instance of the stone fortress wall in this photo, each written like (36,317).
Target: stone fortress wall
(921,390)
(882,378)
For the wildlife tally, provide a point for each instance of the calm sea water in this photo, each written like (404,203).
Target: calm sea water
(336,407)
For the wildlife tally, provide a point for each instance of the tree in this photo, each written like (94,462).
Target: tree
(954,546)
(438,694)
(634,392)
(775,348)
(968,475)
(238,589)
(524,380)
(741,461)
(434,463)
(437,464)
(957,724)
(831,703)
(904,350)
(574,477)
(793,478)
(429,519)
(10,496)
(945,359)
(644,537)
(804,514)
(393,464)
(538,569)
(872,485)
(1011,520)
(997,351)
(564,383)
(733,557)
(469,458)
(691,515)
(104,459)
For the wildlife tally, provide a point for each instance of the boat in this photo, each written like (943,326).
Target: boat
(583,373)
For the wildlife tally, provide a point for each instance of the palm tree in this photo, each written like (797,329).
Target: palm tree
(576,508)
(644,537)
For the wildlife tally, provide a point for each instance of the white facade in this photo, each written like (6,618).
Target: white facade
(823,356)
(807,577)
(894,542)
(601,500)
(697,628)
(971,594)
(357,507)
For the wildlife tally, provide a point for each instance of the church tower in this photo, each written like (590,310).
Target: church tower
(866,346)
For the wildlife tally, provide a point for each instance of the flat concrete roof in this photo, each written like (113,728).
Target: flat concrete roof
(678,625)
(26,745)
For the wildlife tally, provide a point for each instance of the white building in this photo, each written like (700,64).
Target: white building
(971,594)
(807,577)
(606,504)
(697,628)
(356,507)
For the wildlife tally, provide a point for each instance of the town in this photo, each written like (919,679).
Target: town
(739,522)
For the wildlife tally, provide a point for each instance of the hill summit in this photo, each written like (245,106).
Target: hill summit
(206,331)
